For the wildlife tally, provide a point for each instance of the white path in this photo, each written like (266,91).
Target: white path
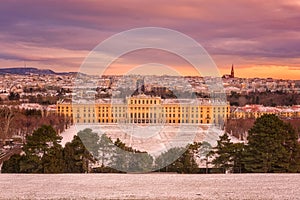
(68,135)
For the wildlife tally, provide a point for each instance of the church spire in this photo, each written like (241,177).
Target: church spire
(232,72)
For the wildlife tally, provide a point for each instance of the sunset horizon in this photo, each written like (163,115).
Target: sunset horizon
(241,72)
(259,38)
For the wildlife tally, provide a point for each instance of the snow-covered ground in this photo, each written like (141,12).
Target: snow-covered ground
(150,186)
(153,139)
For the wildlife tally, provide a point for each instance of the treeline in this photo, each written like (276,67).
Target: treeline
(240,127)
(44,154)
(272,147)
(23,122)
(15,98)
(265,98)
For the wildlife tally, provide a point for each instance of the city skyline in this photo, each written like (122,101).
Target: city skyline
(260,38)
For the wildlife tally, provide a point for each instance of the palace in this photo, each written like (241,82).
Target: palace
(144,109)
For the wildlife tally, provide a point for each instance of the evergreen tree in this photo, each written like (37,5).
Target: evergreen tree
(224,153)
(53,161)
(40,142)
(77,157)
(44,154)
(204,151)
(228,156)
(169,161)
(188,161)
(11,165)
(106,150)
(127,159)
(238,153)
(139,162)
(31,164)
(121,156)
(272,146)
(90,141)
(178,159)
(38,149)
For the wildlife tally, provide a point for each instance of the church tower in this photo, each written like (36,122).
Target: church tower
(232,72)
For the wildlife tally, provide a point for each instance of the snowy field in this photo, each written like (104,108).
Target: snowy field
(150,186)
(153,139)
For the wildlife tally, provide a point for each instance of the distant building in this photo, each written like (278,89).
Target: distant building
(255,111)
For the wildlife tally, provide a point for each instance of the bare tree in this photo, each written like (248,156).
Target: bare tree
(7,116)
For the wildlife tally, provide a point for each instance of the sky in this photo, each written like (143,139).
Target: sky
(261,38)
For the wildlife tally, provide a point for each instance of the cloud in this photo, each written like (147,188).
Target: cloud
(243,32)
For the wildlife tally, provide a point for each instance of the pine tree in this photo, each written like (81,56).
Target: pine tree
(127,159)
(11,165)
(77,157)
(178,159)
(238,153)
(272,146)
(53,161)
(106,150)
(44,154)
(38,150)
(224,153)
(90,140)
(41,140)
(204,151)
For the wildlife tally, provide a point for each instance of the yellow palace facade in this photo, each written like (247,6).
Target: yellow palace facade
(145,109)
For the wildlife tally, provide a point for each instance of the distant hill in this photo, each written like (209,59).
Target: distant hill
(29,70)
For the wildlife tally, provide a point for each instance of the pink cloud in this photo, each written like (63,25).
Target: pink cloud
(60,33)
